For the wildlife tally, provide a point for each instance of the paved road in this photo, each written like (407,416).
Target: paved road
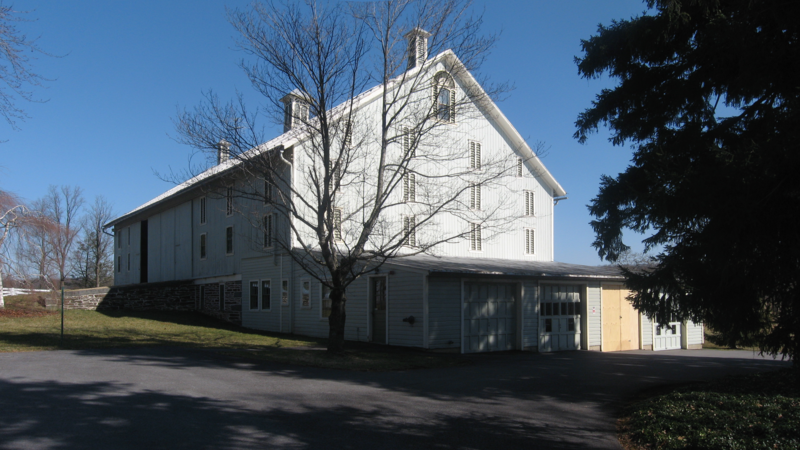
(175,398)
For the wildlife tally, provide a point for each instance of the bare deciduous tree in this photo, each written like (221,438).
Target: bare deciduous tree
(92,264)
(16,77)
(62,206)
(380,171)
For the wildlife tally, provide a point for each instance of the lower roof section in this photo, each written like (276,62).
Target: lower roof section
(484,266)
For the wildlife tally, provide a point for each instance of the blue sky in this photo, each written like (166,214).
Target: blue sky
(123,69)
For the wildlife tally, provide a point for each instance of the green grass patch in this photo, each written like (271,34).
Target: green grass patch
(745,412)
(39,330)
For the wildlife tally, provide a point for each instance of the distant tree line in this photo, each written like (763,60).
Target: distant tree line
(55,239)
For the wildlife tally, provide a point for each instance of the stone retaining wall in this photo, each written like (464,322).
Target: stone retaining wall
(163,296)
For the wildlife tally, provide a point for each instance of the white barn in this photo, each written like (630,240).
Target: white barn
(492,290)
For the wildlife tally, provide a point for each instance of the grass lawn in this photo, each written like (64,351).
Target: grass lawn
(27,326)
(745,412)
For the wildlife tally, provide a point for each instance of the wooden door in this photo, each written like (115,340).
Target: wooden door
(620,320)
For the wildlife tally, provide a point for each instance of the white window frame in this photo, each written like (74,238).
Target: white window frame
(444,81)
(322,297)
(203,250)
(229,231)
(305,293)
(530,241)
(530,203)
(261,294)
(475,238)
(203,209)
(475,197)
(229,200)
(258,296)
(475,155)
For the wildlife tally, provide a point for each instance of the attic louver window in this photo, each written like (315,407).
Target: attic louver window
(475,197)
(529,203)
(529,241)
(409,187)
(519,167)
(409,150)
(409,224)
(474,155)
(475,237)
(337,224)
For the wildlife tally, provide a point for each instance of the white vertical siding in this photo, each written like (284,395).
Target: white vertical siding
(404,300)
(357,324)
(694,334)
(594,317)
(647,331)
(444,313)
(530,314)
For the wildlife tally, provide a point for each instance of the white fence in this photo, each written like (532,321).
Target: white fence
(16,291)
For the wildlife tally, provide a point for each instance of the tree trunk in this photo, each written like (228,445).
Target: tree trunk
(336,322)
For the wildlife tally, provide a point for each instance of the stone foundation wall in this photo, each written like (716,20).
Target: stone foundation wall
(163,296)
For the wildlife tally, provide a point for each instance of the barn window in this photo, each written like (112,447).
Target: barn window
(305,294)
(409,187)
(265,294)
(253,295)
(444,94)
(268,231)
(325,301)
(203,246)
(519,167)
(202,210)
(530,241)
(475,197)
(229,241)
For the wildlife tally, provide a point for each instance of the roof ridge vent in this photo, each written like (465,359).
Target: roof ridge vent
(417,47)
(295,110)
(223,151)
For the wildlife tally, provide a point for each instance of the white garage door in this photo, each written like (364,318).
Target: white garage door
(559,318)
(667,337)
(489,317)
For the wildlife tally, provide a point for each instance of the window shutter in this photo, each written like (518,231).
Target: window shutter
(409,222)
(412,189)
(477,155)
(529,241)
(405,188)
(452,105)
(519,167)
(529,203)
(472,155)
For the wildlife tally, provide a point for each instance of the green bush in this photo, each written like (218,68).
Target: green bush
(746,412)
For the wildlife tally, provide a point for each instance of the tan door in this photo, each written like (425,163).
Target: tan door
(620,320)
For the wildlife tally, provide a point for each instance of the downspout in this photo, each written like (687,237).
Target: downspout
(290,294)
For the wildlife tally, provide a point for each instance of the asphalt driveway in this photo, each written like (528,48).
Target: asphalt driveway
(178,398)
